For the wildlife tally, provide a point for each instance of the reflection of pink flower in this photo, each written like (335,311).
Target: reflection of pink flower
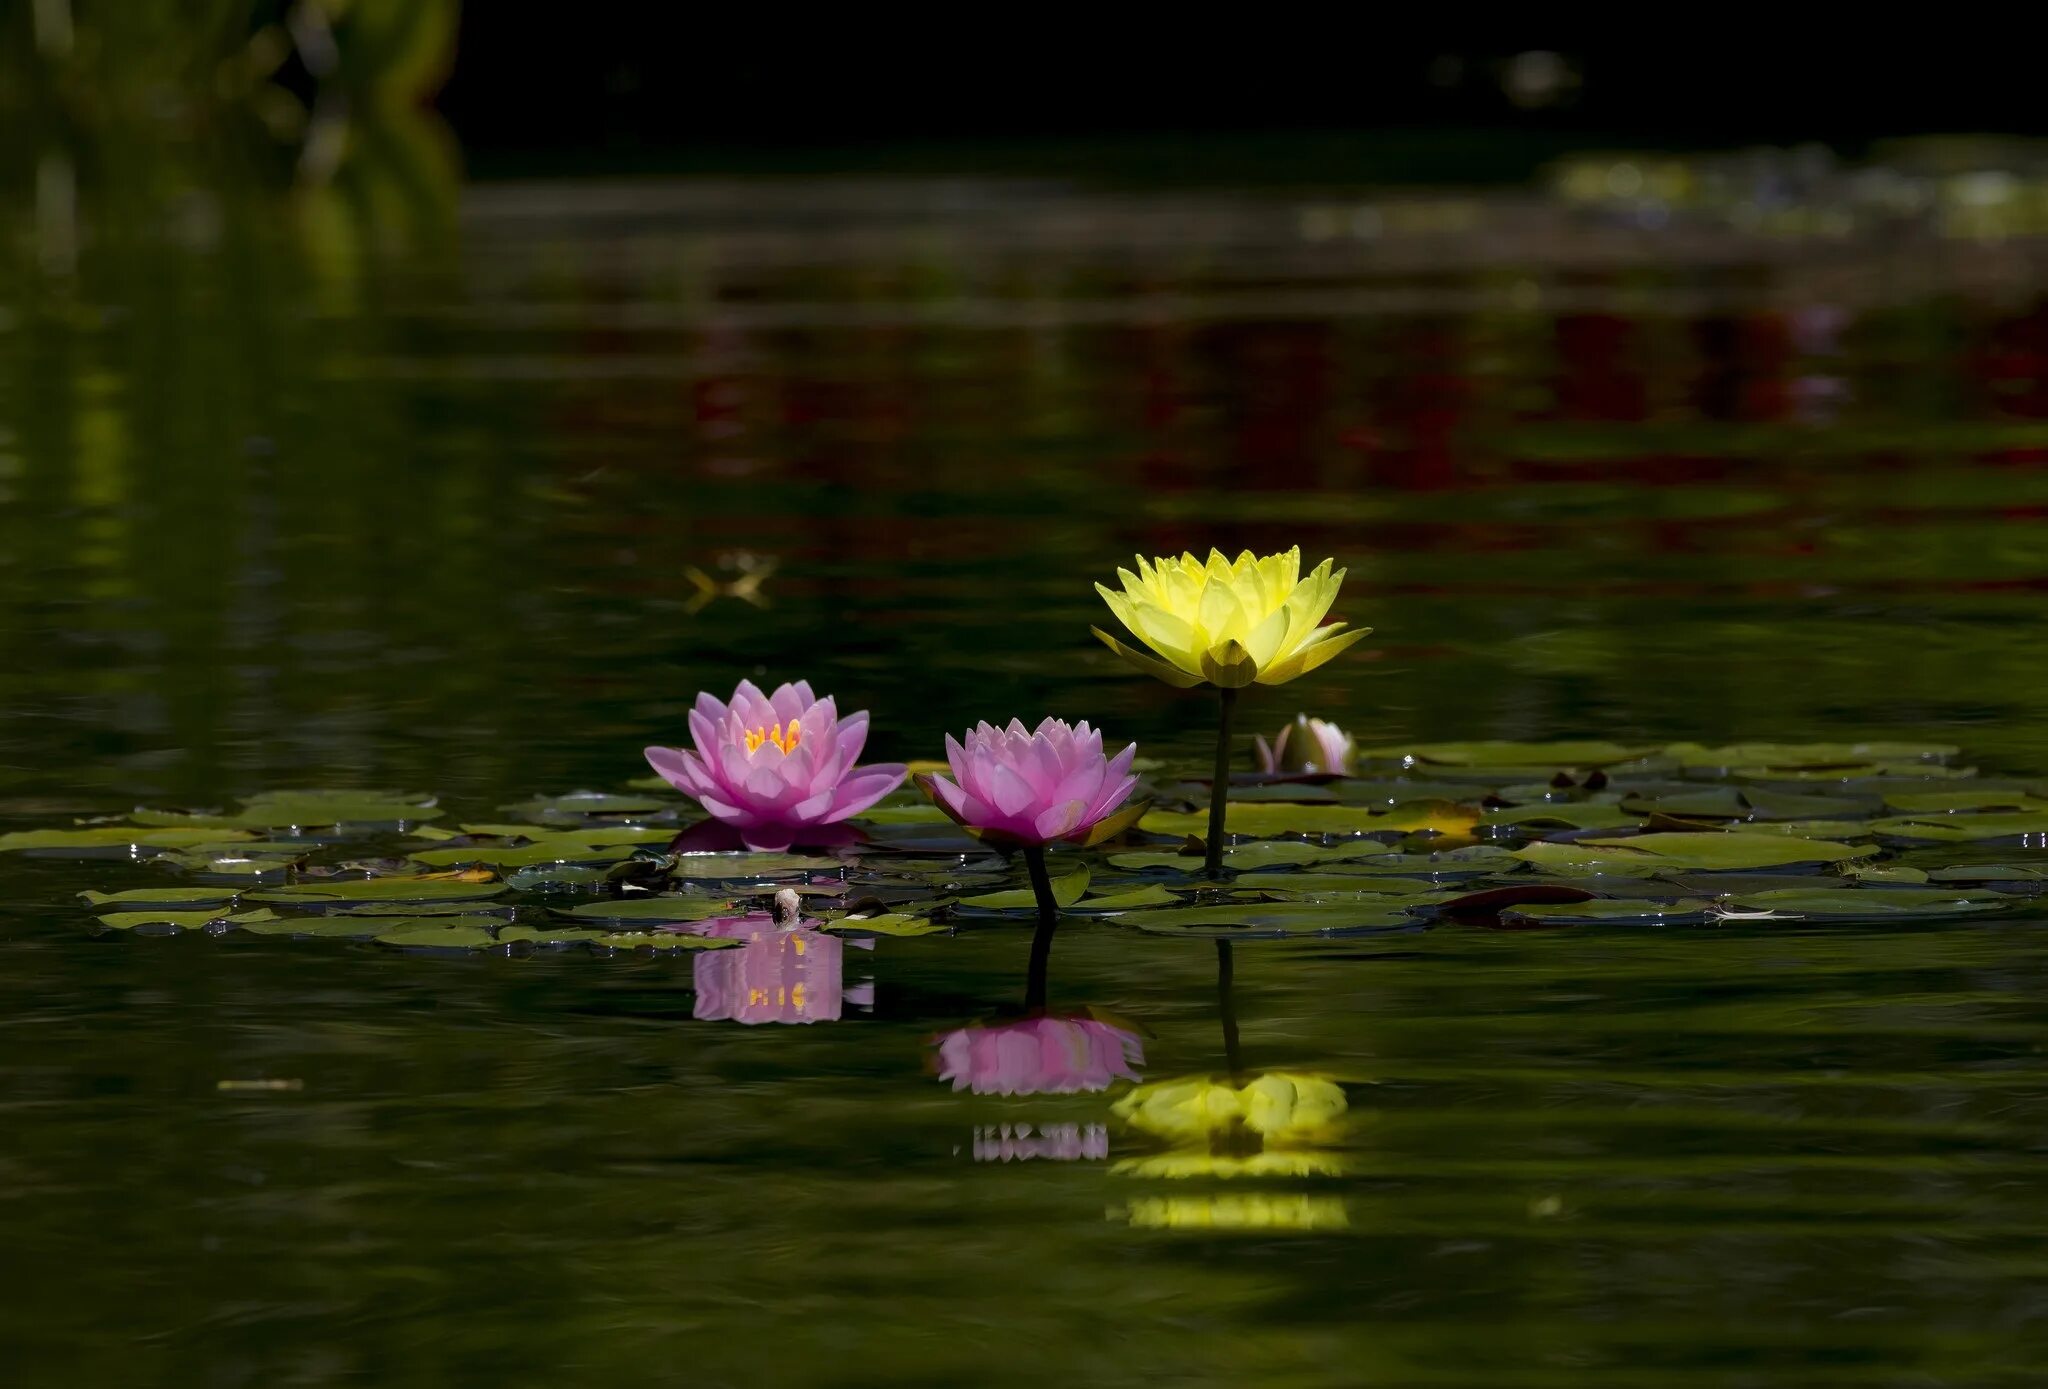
(1039,1056)
(777,975)
(775,766)
(1022,786)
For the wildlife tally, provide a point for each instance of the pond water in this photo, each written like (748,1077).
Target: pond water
(474,509)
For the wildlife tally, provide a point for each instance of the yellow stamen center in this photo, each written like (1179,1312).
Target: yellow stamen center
(784,738)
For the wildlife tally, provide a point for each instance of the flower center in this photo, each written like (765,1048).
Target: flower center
(784,738)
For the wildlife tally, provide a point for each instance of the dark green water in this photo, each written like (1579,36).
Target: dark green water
(313,502)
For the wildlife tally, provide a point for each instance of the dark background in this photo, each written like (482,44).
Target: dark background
(635,87)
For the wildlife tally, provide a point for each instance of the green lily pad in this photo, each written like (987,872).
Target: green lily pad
(438,934)
(1586,753)
(100,837)
(1971,798)
(749,867)
(338,890)
(1066,890)
(1884,873)
(1707,850)
(1151,896)
(553,936)
(888,924)
(1355,884)
(664,942)
(1257,853)
(642,910)
(460,907)
(256,870)
(1860,903)
(1961,827)
(1571,815)
(2018,874)
(566,849)
(1810,756)
(920,814)
(1614,911)
(327,927)
(184,921)
(1708,803)
(138,898)
(1267,819)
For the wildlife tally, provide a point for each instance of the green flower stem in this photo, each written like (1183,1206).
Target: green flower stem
(1219,790)
(1041,941)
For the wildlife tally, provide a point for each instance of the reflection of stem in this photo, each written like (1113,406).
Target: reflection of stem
(1041,955)
(1219,791)
(1041,885)
(1226,1008)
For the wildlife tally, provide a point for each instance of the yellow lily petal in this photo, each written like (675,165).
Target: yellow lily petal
(1309,657)
(1158,670)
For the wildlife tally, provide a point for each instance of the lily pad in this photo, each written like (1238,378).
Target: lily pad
(2022,876)
(888,924)
(183,921)
(393,889)
(138,898)
(1257,853)
(578,804)
(1354,884)
(1066,890)
(1267,819)
(1615,911)
(1963,827)
(1151,896)
(2003,800)
(642,910)
(749,867)
(1580,815)
(921,813)
(1862,903)
(1810,756)
(105,837)
(438,934)
(1705,849)
(334,927)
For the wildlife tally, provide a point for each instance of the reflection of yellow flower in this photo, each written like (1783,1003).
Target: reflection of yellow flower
(1227,622)
(1182,1163)
(1280,1107)
(1238,1211)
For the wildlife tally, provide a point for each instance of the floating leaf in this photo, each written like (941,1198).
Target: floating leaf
(1960,827)
(1582,815)
(641,910)
(437,934)
(339,926)
(1698,850)
(1271,819)
(395,889)
(1615,911)
(663,942)
(1794,756)
(1152,896)
(922,813)
(1884,873)
(888,924)
(1859,903)
(2021,875)
(465,907)
(749,867)
(1973,798)
(1257,853)
(101,837)
(1323,883)
(184,921)
(141,897)
(1066,890)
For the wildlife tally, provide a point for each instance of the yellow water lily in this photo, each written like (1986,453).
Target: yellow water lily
(1227,622)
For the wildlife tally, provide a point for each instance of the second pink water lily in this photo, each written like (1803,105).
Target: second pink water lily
(776,767)
(1033,787)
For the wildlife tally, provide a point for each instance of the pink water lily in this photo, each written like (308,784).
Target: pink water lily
(1034,787)
(775,767)
(1046,1055)
(1309,746)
